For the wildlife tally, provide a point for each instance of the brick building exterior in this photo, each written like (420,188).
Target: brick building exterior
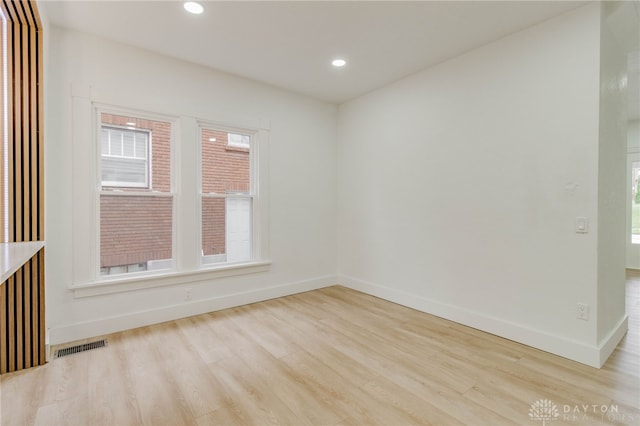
(136,229)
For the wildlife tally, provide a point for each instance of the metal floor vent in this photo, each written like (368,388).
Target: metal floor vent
(80,348)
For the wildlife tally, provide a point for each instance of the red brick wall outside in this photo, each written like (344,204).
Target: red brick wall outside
(224,169)
(136,229)
(213,226)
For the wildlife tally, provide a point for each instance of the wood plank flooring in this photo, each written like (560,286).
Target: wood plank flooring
(327,357)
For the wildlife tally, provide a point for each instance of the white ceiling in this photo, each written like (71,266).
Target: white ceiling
(290,44)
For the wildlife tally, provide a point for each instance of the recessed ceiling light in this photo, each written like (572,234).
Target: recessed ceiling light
(193,7)
(338,63)
(212,139)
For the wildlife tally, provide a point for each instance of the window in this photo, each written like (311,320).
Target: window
(238,141)
(172,202)
(227,197)
(136,199)
(125,157)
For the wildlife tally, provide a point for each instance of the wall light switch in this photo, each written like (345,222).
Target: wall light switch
(582,225)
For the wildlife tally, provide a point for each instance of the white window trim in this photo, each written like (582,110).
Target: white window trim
(86,280)
(258,187)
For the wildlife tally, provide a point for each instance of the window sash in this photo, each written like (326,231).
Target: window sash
(227,233)
(136,221)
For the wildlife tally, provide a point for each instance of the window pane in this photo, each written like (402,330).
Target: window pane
(635,202)
(213,230)
(116,142)
(117,171)
(238,226)
(141,146)
(223,170)
(226,229)
(129,140)
(135,233)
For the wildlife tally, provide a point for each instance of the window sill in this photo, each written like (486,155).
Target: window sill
(161,279)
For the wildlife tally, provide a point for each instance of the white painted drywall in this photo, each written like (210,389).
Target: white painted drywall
(633,136)
(612,174)
(302,179)
(459,187)
(633,154)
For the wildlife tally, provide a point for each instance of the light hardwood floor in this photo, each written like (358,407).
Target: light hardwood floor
(327,357)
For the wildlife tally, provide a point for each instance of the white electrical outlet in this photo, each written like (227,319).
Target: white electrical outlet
(583,311)
(187,294)
(582,225)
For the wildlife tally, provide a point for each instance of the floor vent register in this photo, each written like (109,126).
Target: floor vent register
(80,348)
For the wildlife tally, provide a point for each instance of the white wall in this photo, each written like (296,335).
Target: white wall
(633,136)
(459,187)
(612,177)
(302,179)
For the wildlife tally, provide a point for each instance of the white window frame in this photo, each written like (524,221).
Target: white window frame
(258,234)
(148,160)
(129,191)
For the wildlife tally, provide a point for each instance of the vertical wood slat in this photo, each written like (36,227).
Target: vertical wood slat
(42,354)
(18,140)
(35,142)
(22,297)
(11,323)
(2,236)
(3,328)
(26,317)
(35,314)
(19,323)
(25,121)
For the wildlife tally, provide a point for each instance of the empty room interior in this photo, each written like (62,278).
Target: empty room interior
(320,212)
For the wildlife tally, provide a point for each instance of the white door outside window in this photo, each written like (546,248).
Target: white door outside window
(238,225)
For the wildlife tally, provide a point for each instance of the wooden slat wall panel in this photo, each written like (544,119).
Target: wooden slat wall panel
(22,331)
(22,310)
(25,124)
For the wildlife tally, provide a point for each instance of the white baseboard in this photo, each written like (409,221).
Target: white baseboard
(578,351)
(102,326)
(609,343)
